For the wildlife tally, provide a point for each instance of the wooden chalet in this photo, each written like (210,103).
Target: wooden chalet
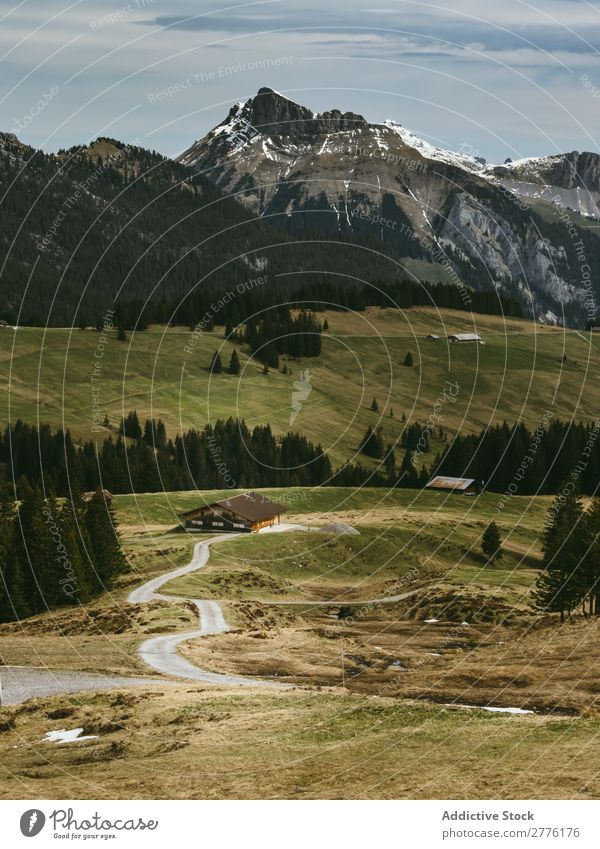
(244,513)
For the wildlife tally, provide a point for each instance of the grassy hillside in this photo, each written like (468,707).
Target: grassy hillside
(518,373)
(407,508)
(190,742)
(468,635)
(381,561)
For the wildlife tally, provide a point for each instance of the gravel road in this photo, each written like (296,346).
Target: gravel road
(160,653)
(20,683)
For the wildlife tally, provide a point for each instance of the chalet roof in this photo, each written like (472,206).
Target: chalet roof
(464,337)
(445,482)
(250,505)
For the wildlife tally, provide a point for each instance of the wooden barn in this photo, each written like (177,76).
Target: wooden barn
(464,337)
(244,513)
(460,486)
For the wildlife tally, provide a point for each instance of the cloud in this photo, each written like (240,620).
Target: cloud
(446,27)
(454,70)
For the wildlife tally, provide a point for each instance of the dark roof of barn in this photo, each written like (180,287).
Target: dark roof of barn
(251,505)
(446,482)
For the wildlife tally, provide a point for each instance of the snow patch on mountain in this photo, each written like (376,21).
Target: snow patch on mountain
(460,160)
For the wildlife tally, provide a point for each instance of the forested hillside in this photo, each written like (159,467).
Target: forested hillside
(113,225)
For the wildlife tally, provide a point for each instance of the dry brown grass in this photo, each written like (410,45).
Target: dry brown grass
(545,667)
(191,742)
(530,662)
(102,637)
(380,737)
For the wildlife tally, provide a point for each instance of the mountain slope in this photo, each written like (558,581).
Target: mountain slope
(336,172)
(568,179)
(110,223)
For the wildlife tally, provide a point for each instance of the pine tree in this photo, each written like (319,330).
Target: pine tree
(121,335)
(561,586)
(15,603)
(148,432)
(591,526)
(77,585)
(37,550)
(325,325)
(216,366)
(13,591)
(390,464)
(374,405)
(161,434)
(105,544)
(372,443)
(234,364)
(408,474)
(130,426)
(491,544)
(408,360)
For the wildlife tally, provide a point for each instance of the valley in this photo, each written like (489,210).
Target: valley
(394,707)
(316,300)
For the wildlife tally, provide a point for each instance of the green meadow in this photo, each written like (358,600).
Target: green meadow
(518,373)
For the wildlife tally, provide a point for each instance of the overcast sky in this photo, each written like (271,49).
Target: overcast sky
(500,79)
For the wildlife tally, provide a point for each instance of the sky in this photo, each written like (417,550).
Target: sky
(493,79)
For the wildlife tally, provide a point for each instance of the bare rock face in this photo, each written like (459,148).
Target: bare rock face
(452,214)
(275,115)
(570,180)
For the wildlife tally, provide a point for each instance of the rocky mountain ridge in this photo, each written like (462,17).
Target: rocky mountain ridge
(499,226)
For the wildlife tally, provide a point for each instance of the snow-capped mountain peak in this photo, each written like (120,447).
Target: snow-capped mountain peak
(336,171)
(429,151)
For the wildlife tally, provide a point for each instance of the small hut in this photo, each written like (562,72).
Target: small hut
(459,486)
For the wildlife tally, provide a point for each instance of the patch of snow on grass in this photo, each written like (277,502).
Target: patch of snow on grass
(64,736)
(511,710)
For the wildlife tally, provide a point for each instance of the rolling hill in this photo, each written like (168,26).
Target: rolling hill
(519,373)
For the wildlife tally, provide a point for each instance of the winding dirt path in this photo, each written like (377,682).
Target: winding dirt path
(161,653)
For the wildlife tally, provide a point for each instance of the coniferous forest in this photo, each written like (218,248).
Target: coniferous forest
(143,458)
(571,550)
(44,521)
(54,553)
(114,225)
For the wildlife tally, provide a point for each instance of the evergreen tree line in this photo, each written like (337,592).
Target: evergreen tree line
(54,554)
(322,294)
(150,235)
(520,460)
(149,228)
(280,333)
(226,454)
(571,551)
(511,460)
